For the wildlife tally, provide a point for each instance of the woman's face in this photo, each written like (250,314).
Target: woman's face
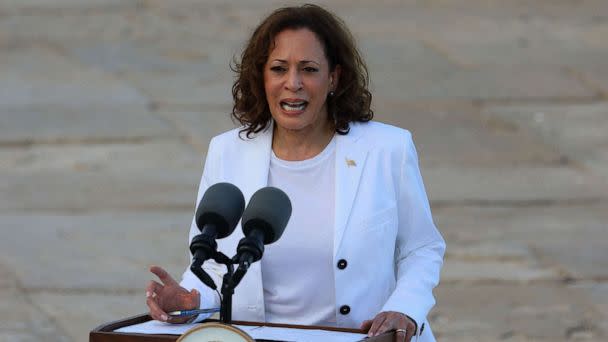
(297,81)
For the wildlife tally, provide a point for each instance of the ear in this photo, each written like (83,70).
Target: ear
(334,78)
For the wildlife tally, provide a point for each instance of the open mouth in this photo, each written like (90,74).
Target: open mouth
(293,106)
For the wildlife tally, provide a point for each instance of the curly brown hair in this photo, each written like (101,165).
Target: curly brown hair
(351,100)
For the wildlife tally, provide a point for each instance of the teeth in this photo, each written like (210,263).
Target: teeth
(293,106)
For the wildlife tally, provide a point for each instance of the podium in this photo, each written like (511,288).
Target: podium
(106,333)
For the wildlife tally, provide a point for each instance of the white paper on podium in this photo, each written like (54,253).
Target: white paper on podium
(256,332)
(157,327)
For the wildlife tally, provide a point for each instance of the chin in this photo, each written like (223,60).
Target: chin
(291,122)
(291,126)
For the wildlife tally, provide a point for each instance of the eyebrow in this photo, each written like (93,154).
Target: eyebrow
(300,62)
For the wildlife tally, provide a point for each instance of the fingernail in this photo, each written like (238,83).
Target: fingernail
(164,317)
(148,294)
(153,294)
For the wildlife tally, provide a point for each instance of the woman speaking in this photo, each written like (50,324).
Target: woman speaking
(361,249)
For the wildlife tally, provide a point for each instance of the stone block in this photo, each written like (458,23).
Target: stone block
(485,83)
(201,126)
(22,321)
(79,178)
(12,5)
(78,314)
(569,239)
(598,292)
(108,252)
(454,133)
(577,130)
(518,185)
(456,270)
(512,312)
(184,91)
(67,124)
(42,77)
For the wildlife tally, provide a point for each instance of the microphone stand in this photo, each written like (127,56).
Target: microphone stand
(229,282)
(228,286)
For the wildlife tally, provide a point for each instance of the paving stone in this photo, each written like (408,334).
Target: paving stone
(62,4)
(487,261)
(509,312)
(493,250)
(7,278)
(482,271)
(125,56)
(98,309)
(100,177)
(586,256)
(579,131)
(570,239)
(483,83)
(32,27)
(42,77)
(200,54)
(65,124)
(184,27)
(201,126)
(523,40)
(473,139)
(515,184)
(108,253)
(598,292)
(596,76)
(22,320)
(173,89)
(404,54)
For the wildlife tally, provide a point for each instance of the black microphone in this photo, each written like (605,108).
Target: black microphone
(263,223)
(217,215)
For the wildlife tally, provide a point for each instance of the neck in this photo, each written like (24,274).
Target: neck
(297,145)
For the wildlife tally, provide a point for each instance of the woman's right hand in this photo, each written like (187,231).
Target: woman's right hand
(169,296)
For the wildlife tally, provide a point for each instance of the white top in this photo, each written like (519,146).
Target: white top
(306,244)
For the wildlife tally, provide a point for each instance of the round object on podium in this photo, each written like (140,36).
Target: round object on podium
(212,332)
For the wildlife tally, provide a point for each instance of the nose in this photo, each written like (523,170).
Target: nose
(294,81)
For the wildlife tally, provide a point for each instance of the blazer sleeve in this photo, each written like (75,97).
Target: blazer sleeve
(419,245)
(209,298)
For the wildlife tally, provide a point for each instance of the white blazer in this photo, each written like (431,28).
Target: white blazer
(383,225)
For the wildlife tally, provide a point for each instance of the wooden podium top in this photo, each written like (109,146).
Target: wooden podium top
(106,333)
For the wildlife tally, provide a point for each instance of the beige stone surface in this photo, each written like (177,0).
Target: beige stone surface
(498,312)
(107,107)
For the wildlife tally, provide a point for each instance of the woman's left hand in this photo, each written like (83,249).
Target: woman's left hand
(389,321)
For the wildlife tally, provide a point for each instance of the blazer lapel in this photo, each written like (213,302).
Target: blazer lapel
(350,160)
(255,162)
(251,173)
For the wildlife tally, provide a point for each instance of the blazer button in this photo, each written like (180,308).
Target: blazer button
(342,264)
(344,309)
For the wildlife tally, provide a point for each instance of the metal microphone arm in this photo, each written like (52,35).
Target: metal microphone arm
(203,247)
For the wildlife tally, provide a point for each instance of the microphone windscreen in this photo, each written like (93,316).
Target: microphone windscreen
(269,209)
(222,206)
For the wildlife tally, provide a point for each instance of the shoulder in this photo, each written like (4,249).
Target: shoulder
(229,137)
(381,135)
(236,138)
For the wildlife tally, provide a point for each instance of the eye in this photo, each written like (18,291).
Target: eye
(277,69)
(311,69)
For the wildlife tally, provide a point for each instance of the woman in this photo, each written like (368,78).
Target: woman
(361,249)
